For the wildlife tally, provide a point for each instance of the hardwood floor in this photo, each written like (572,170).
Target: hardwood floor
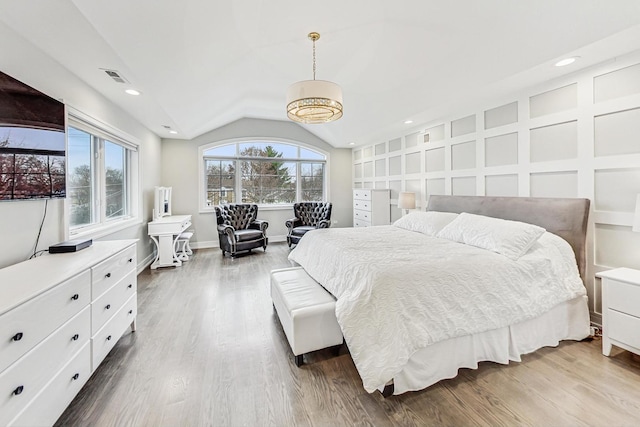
(209,351)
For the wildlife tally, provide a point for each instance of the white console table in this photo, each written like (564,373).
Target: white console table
(164,231)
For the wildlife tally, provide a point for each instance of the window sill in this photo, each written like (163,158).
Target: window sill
(287,207)
(97,232)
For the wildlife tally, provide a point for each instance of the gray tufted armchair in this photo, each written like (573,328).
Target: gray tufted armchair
(309,216)
(239,229)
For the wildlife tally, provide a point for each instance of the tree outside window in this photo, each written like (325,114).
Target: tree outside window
(266,181)
(262,172)
(312,181)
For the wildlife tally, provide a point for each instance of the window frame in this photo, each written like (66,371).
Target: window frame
(202,177)
(103,225)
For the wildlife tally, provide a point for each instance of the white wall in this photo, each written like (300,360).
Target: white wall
(180,170)
(20,220)
(578,136)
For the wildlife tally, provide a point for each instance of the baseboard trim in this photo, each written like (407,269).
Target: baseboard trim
(215,244)
(146,262)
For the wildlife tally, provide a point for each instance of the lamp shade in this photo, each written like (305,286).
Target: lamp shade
(407,200)
(636,217)
(314,101)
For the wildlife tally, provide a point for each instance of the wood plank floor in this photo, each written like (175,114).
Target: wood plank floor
(209,351)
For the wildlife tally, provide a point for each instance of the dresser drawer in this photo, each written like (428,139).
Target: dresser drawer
(623,296)
(47,407)
(362,215)
(106,338)
(23,380)
(24,327)
(624,328)
(363,205)
(112,270)
(360,223)
(362,194)
(110,302)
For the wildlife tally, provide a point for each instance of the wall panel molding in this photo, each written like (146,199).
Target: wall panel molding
(575,136)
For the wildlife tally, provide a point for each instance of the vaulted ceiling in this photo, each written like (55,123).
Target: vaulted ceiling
(201,64)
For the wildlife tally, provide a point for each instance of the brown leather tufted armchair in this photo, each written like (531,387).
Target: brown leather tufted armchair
(309,216)
(239,229)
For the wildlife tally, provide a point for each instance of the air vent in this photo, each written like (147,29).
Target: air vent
(115,75)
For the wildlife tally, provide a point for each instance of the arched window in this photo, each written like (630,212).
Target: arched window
(265,172)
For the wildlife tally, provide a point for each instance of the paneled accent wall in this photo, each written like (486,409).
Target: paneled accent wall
(578,136)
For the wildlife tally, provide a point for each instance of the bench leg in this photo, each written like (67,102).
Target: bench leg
(299,360)
(388,390)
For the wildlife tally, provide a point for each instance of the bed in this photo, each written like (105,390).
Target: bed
(417,303)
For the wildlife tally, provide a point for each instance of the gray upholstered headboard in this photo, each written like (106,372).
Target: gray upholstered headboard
(565,217)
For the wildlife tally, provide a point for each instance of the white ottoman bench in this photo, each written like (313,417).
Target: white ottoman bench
(306,311)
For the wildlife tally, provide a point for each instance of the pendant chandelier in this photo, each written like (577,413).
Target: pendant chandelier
(314,101)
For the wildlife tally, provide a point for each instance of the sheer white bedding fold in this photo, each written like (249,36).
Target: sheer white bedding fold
(566,321)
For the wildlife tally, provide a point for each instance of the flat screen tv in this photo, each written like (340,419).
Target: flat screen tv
(32,143)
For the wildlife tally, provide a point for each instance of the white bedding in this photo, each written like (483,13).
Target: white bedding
(399,291)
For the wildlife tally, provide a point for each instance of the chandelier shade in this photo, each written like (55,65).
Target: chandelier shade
(314,101)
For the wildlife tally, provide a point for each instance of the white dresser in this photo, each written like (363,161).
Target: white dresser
(59,317)
(620,309)
(371,207)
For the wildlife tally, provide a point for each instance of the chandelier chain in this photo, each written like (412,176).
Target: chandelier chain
(314,59)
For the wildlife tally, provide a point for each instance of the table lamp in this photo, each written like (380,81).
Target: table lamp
(407,200)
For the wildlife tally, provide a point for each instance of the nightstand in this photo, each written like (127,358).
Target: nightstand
(620,309)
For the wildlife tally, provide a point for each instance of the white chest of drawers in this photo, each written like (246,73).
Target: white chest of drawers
(371,207)
(59,317)
(620,309)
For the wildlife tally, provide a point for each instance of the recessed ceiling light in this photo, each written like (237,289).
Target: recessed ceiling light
(408,122)
(352,143)
(132,92)
(174,132)
(566,61)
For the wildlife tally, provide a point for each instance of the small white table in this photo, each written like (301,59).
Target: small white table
(164,231)
(620,309)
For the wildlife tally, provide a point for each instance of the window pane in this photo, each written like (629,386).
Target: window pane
(221,181)
(114,162)
(268,149)
(311,155)
(312,181)
(268,182)
(80,185)
(223,150)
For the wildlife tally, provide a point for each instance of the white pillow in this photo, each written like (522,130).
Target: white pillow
(509,238)
(429,223)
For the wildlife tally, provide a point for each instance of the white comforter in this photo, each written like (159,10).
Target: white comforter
(399,291)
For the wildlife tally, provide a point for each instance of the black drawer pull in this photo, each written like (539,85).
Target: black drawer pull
(108,306)
(17,337)
(130,259)
(75,297)
(130,286)
(75,337)
(107,275)
(109,338)
(18,390)
(76,376)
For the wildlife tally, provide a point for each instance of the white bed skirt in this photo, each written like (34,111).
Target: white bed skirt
(566,321)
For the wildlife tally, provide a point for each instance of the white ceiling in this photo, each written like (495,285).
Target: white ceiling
(201,64)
